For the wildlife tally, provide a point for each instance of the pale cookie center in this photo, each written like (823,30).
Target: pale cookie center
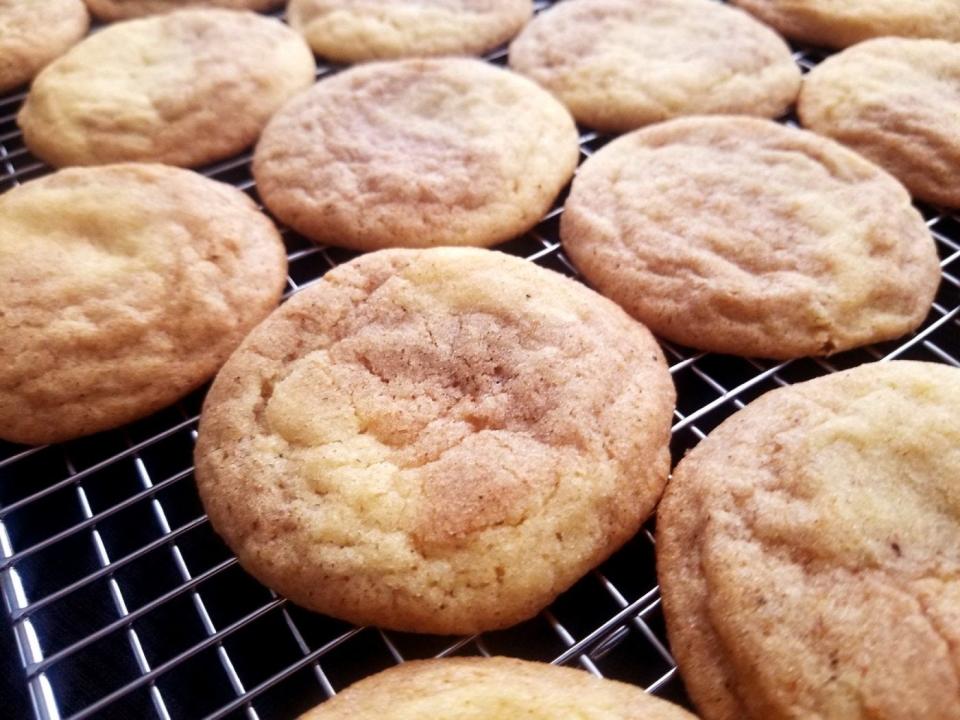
(138,71)
(433,411)
(101,241)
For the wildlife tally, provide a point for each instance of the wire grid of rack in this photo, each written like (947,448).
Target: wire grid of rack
(124,603)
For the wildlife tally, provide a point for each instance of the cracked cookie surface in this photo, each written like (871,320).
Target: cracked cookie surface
(743,236)
(125,287)
(34,33)
(621,64)
(496,688)
(110,10)
(350,31)
(184,88)
(435,440)
(839,24)
(416,153)
(808,551)
(896,101)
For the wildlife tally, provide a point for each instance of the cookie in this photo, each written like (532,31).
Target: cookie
(621,64)
(350,31)
(125,287)
(491,688)
(416,153)
(808,551)
(435,441)
(110,10)
(839,24)
(34,33)
(742,236)
(895,101)
(185,88)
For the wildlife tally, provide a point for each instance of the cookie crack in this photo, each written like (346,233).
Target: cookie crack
(936,627)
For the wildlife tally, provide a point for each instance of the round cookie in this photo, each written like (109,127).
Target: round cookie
(125,287)
(350,31)
(896,101)
(839,24)
(34,33)
(491,688)
(808,551)
(185,88)
(111,10)
(621,64)
(416,153)
(743,236)
(436,441)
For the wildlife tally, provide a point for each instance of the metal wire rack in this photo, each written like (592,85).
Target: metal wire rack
(124,603)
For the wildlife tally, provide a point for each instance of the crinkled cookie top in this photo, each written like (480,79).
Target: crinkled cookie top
(743,236)
(350,31)
(416,153)
(839,23)
(183,88)
(896,101)
(124,287)
(809,551)
(435,440)
(621,64)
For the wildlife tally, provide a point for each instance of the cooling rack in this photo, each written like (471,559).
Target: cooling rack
(124,603)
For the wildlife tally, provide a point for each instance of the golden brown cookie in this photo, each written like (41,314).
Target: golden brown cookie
(495,688)
(33,33)
(808,551)
(185,88)
(110,10)
(416,153)
(350,31)
(742,236)
(436,441)
(896,101)
(839,23)
(124,288)
(621,64)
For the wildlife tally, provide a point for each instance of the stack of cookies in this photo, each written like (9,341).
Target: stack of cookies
(438,437)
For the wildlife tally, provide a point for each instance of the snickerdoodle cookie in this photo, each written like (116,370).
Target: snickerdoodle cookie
(495,688)
(124,287)
(436,440)
(416,153)
(808,551)
(351,31)
(897,102)
(185,88)
(621,64)
(125,9)
(33,33)
(839,23)
(743,236)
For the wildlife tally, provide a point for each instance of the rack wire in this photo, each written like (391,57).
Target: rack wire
(124,603)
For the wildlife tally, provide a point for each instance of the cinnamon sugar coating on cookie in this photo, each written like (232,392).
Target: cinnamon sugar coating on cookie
(183,88)
(435,441)
(742,236)
(621,64)
(896,101)
(350,31)
(34,33)
(808,551)
(110,10)
(416,153)
(839,23)
(125,287)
